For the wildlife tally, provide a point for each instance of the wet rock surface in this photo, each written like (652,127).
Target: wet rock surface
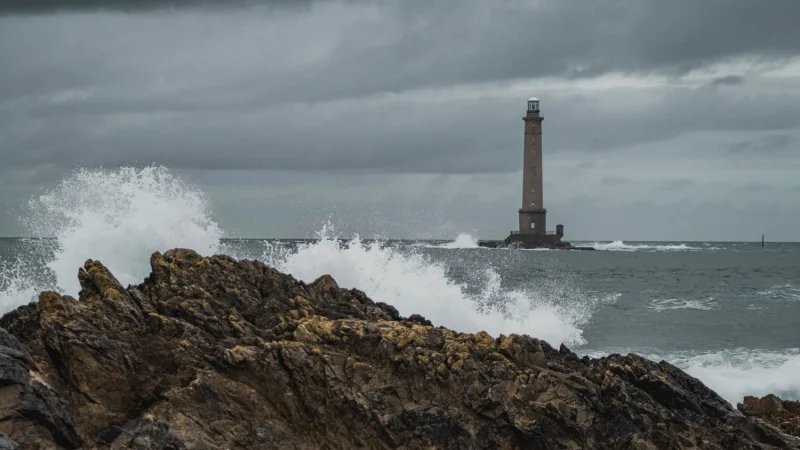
(214,353)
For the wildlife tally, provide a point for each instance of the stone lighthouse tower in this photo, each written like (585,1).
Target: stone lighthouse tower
(532,215)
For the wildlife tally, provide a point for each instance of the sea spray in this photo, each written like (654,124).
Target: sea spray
(122,216)
(734,374)
(462,241)
(18,286)
(415,284)
(119,217)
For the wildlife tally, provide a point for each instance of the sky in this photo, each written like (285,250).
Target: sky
(671,120)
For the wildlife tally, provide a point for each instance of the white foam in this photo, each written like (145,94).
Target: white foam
(120,217)
(781,292)
(462,241)
(620,246)
(734,374)
(678,303)
(414,284)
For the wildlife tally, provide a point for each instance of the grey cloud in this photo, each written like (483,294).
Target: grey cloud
(730,80)
(383,134)
(754,188)
(585,165)
(614,180)
(413,44)
(439,181)
(408,45)
(768,144)
(675,185)
(372,90)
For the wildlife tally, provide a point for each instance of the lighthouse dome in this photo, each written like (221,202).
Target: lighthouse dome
(533,99)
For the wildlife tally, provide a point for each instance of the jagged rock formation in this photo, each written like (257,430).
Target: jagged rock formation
(785,414)
(213,353)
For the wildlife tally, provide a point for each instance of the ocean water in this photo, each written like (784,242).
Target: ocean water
(727,313)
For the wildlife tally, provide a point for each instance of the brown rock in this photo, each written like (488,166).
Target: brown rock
(214,353)
(784,414)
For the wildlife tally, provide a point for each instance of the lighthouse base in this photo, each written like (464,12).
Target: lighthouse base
(535,240)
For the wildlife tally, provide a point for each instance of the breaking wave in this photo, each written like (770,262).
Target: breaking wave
(462,241)
(122,216)
(119,217)
(733,374)
(415,284)
(736,373)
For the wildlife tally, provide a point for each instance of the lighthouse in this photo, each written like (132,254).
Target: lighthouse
(532,214)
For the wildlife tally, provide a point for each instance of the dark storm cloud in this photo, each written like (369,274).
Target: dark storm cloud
(370,89)
(441,43)
(449,42)
(11,7)
(218,90)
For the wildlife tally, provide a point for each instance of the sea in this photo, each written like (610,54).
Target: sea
(725,312)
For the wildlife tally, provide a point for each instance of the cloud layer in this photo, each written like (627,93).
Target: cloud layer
(644,102)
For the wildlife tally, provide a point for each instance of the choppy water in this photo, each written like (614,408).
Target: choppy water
(725,312)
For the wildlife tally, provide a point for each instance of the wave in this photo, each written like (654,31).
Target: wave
(781,292)
(415,284)
(678,303)
(733,374)
(122,216)
(119,217)
(462,241)
(736,373)
(620,246)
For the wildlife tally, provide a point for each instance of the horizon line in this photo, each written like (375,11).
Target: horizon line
(451,239)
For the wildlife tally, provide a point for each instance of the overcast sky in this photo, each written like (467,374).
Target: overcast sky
(664,120)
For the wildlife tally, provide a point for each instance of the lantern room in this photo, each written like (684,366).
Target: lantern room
(533,104)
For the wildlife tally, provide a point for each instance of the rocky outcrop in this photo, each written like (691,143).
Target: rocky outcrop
(214,353)
(784,414)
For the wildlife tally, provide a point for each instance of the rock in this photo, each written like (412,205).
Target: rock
(216,353)
(784,414)
(32,413)
(6,443)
